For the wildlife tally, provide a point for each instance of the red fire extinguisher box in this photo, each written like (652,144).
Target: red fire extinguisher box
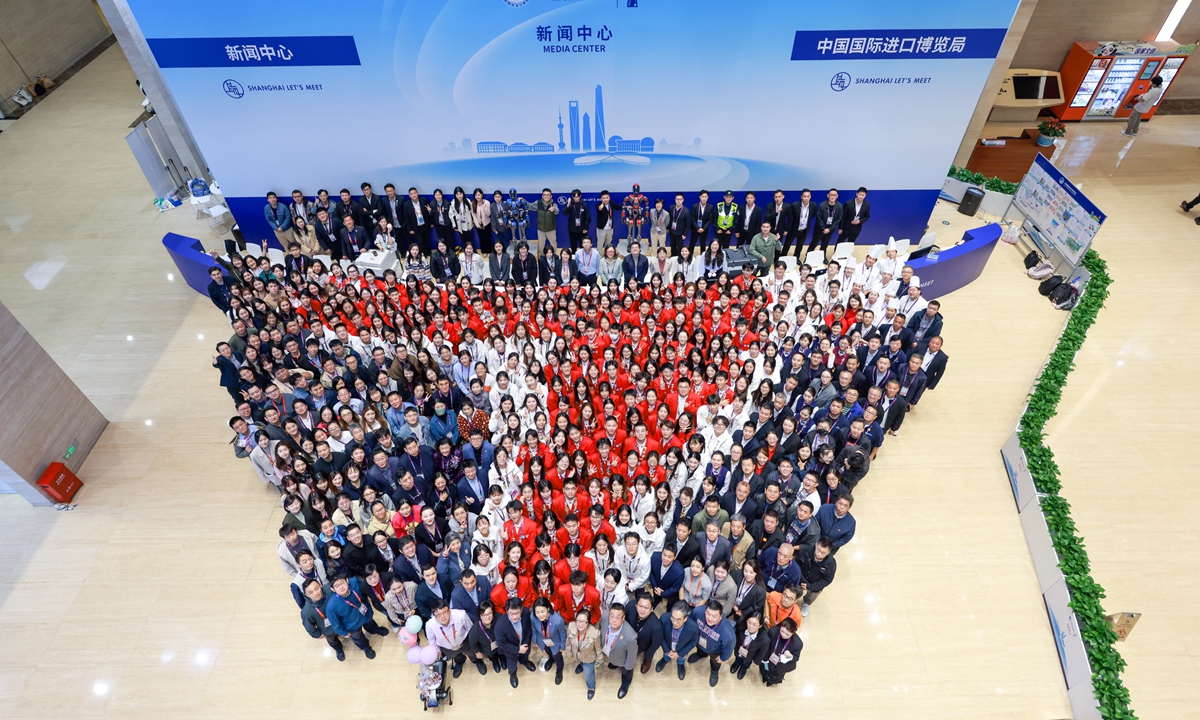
(59,482)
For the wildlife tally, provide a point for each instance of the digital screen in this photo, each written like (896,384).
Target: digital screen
(1030,88)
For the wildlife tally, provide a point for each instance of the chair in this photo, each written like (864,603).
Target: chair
(218,215)
(843,250)
(902,248)
(815,259)
(789,263)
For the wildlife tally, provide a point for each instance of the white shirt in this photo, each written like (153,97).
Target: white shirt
(635,571)
(453,634)
(1149,97)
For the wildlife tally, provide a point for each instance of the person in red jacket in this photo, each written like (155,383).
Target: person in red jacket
(513,586)
(574,560)
(640,443)
(568,502)
(578,594)
(520,529)
(572,533)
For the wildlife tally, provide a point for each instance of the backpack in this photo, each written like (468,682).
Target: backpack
(1048,285)
(1064,296)
(1032,259)
(1041,271)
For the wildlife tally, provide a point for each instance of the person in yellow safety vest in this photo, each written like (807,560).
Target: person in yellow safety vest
(726,215)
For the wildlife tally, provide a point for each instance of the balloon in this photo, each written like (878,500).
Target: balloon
(414,655)
(413,624)
(429,654)
(406,638)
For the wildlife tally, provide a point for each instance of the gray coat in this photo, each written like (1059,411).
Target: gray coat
(624,650)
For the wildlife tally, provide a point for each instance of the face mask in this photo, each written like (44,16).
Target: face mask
(441,411)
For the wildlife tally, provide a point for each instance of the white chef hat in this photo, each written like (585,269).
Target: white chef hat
(891,242)
(876,251)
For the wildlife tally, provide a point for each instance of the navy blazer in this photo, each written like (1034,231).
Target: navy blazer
(916,388)
(689,634)
(507,640)
(422,470)
(670,581)
(460,599)
(426,596)
(635,267)
(935,328)
(403,568)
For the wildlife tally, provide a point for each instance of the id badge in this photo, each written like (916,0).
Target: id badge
(703,642)
(327,622)
(771,583)
(578,222)
(904,391)
(494,646)
(774,658)
(420,220)
(363,608)
(672,226)
(742,652)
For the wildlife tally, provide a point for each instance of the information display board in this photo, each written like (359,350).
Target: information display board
(1057,214)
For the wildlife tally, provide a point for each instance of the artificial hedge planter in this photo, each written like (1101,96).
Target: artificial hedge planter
(1098,636)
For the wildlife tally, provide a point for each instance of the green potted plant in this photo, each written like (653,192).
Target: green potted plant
(1049,129)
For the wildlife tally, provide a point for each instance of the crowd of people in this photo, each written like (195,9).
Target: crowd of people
(576,466)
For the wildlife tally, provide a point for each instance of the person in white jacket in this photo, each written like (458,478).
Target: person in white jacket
(291,543)
(260,458)
(633,562)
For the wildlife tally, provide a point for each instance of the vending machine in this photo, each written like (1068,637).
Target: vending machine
(1101,80)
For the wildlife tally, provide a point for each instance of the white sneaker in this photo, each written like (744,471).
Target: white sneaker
(1126,133)
(804,610)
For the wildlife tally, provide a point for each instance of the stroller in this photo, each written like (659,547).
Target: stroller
(431,681)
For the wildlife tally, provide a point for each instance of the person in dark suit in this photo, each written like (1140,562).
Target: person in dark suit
(218,291)
(579,217)
(783,648)
(500,263)
(828,220)
(704,214)
(443,262)
(371,204)
(563,258)
(912,381)
(416,214)
(897,329)
(714,547)
(750,648)
(804,213)
(471,592)
(738,500)
(779,214)
(679,222)
(412,558)
(936,365)
(546,264)
(348,206)
(855,213)
(417,461)
(925,325)
(514,638)
(635,266)
(481,642)
(893,408)
(354,239)
(748,222)
(328,233)
(432,588)
(524,266)
(393,208)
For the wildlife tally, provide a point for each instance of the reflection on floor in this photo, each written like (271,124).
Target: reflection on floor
(160,596)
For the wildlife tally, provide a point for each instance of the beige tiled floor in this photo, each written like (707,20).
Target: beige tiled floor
(160,596)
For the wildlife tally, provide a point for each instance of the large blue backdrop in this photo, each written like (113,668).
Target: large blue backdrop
(590,94)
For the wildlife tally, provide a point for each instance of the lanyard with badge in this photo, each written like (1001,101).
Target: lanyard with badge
(482,629)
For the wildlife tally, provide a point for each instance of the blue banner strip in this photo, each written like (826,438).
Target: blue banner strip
(897,44)
(254,52)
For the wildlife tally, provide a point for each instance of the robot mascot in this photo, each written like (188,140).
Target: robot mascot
(633,212)
(516,213)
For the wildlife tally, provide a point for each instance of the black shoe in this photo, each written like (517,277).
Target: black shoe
(591,693)
(695,658)
(1185,206)
(741,673)
(558,676)
(496,664)
(612,667)
(682,671)
(579,669)
(529,666)
(658,666)
(481,667)
(713,677)
(369,653)
(622,692)
(381,632)
(341,655)
(733,667)
(512,680)
(458,666)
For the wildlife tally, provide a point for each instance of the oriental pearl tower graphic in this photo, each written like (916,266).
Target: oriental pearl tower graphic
(561,145)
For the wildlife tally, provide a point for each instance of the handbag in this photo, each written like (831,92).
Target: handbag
(1041,271)
(1048,285)
(1032,259)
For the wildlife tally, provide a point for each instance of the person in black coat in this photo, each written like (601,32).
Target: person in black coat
(357,552)
(443,263)
(432,588)
(407,566)
(639,613)
(803,211)
(561,259)
(481,642)
(748,221)
(354,240)
(751,645)
(328,231)
(704,216)
(371,205)
(417,221)
(546,263)
(937,366)
(828,221)
(347,206)
(783,649)
(779,214)
(855,213)
(218,289)
(818,567)
(524,266)
(514,638)
(579,217)
(751,591)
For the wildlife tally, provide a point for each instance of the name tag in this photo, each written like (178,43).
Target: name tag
(420,220)
(494,646)
(904,391)
(363,608)
(741,652)
(704,642)
(578,222)
(771,583)
(327,622)
(774,658)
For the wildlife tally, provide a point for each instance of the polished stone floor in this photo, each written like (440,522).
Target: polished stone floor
(160,595)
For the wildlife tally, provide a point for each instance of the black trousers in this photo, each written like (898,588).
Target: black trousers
(850,234)
(576,240)
(796,238)
(512,662)
(714,661)
(485,238)
(650,639)
(421,238)
(700,237)
(335,642)
(723,237)
(772,673)
(676,243)
(359,639)
(586,280)
(1194,202)
(626,679)
(820,238)
(557,659)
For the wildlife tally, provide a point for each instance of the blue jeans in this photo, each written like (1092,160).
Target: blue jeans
(589,674)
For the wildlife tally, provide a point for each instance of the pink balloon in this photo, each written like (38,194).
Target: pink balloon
(414,655)
(406,638)
(429,654)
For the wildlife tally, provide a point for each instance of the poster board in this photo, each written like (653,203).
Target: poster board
(1058,216)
